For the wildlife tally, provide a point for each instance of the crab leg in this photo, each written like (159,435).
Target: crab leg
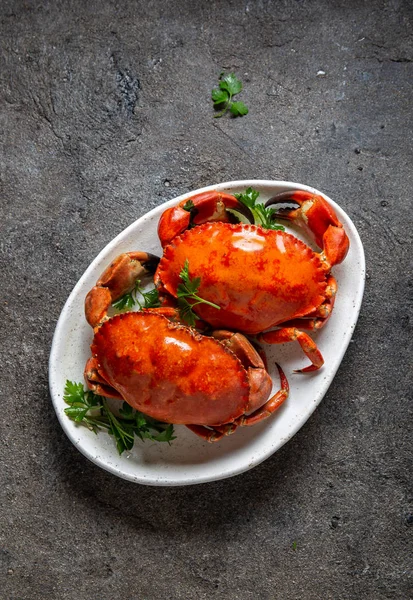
(214,434)
(270,406)
(292,334)
(318,218)
(260,381)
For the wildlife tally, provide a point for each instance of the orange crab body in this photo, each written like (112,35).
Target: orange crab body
(174,374)
(169,371)
(259,277)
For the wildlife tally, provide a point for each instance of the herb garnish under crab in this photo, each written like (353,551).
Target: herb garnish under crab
(93,411)
(149,299)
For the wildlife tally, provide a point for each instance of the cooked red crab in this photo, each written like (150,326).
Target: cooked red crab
(260,278)
(169,371)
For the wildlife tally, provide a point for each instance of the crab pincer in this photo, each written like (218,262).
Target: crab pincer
(318,218)
(115,281)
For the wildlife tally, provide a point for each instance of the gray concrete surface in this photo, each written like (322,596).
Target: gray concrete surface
(106,113)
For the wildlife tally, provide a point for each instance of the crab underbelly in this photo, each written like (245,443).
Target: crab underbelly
(260,278)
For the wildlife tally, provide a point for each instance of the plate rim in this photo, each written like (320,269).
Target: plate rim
(230,185)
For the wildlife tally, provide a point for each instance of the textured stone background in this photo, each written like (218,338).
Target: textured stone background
(105,113)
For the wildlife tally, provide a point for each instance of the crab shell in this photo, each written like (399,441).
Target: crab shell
(172,373)
(259,277)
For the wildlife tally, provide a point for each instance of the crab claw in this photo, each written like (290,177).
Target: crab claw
(317,217)
(201,208)
(118,279)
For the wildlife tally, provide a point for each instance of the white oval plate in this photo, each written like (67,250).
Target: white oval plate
(189,459)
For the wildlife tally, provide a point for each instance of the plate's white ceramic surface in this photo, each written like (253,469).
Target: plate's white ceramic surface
(189,459)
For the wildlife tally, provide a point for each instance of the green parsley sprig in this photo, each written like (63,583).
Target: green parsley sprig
(262,216)
(92,410)
(148,299)
(222,96)
(188,297)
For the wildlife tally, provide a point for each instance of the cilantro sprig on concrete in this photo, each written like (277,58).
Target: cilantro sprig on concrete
(228,87)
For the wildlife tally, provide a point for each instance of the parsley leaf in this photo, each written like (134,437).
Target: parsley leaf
(231,84)
(221,96)
(238,109)
(125,301)
(93,411)
(189,205)
(262,216)
(186,313)
(187,296)
(149,299)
